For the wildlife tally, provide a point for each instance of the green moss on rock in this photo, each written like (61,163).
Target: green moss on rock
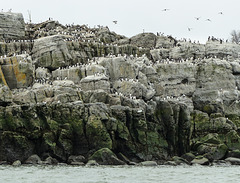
(97,134)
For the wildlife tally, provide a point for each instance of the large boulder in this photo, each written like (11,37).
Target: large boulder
(51,52)
(11,25)
(146,40)
(17,71)
(94,82)
(119,67)
(105,156)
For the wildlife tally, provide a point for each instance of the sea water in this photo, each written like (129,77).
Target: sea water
(117,174)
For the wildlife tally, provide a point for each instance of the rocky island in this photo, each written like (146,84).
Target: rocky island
(80,95)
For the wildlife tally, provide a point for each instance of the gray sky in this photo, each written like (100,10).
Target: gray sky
(135,15)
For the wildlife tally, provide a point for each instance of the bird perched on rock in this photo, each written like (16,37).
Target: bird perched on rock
(115,21)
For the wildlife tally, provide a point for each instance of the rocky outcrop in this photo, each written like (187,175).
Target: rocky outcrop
(78,95)
(51,52)
(12,25)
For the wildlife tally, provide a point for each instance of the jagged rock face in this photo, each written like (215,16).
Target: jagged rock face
(12,26)
(215,87)
(51,52)
(150,98)
(77,127)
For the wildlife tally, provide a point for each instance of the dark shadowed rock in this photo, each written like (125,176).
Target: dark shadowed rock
(106,157)
(188,156)
(76,159)
(34,159)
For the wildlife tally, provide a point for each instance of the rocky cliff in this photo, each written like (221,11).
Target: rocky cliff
(74,91)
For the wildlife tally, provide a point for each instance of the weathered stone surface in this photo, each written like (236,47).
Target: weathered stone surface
(34,159)
(95,82)
(233,161)
(51,52)
(42,73)
(17,71)
(16,163)
(148,163)
(200,160)
(76,159)
(147,40)
(118,68)
(92,163)
(5,95)
(188,156)
(11,25)
(214,48)
(106,157)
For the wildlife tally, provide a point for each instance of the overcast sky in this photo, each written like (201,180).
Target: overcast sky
(135,15)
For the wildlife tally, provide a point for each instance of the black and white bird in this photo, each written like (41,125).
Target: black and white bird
(115,21)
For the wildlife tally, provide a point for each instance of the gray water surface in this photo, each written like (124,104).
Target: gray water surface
(117,174)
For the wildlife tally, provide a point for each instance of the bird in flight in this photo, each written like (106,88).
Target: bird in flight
(221,13)
(189,29)
(165,9)
(209,20)
(115,21)
(197,18)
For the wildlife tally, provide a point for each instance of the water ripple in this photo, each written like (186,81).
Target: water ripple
(113,174)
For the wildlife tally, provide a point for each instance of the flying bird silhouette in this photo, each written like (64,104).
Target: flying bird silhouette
(115,21)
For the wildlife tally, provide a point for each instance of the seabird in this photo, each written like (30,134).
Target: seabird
(208,20)
(165,9)
(221,13)
(197,18)
(115,21)
(189,29)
